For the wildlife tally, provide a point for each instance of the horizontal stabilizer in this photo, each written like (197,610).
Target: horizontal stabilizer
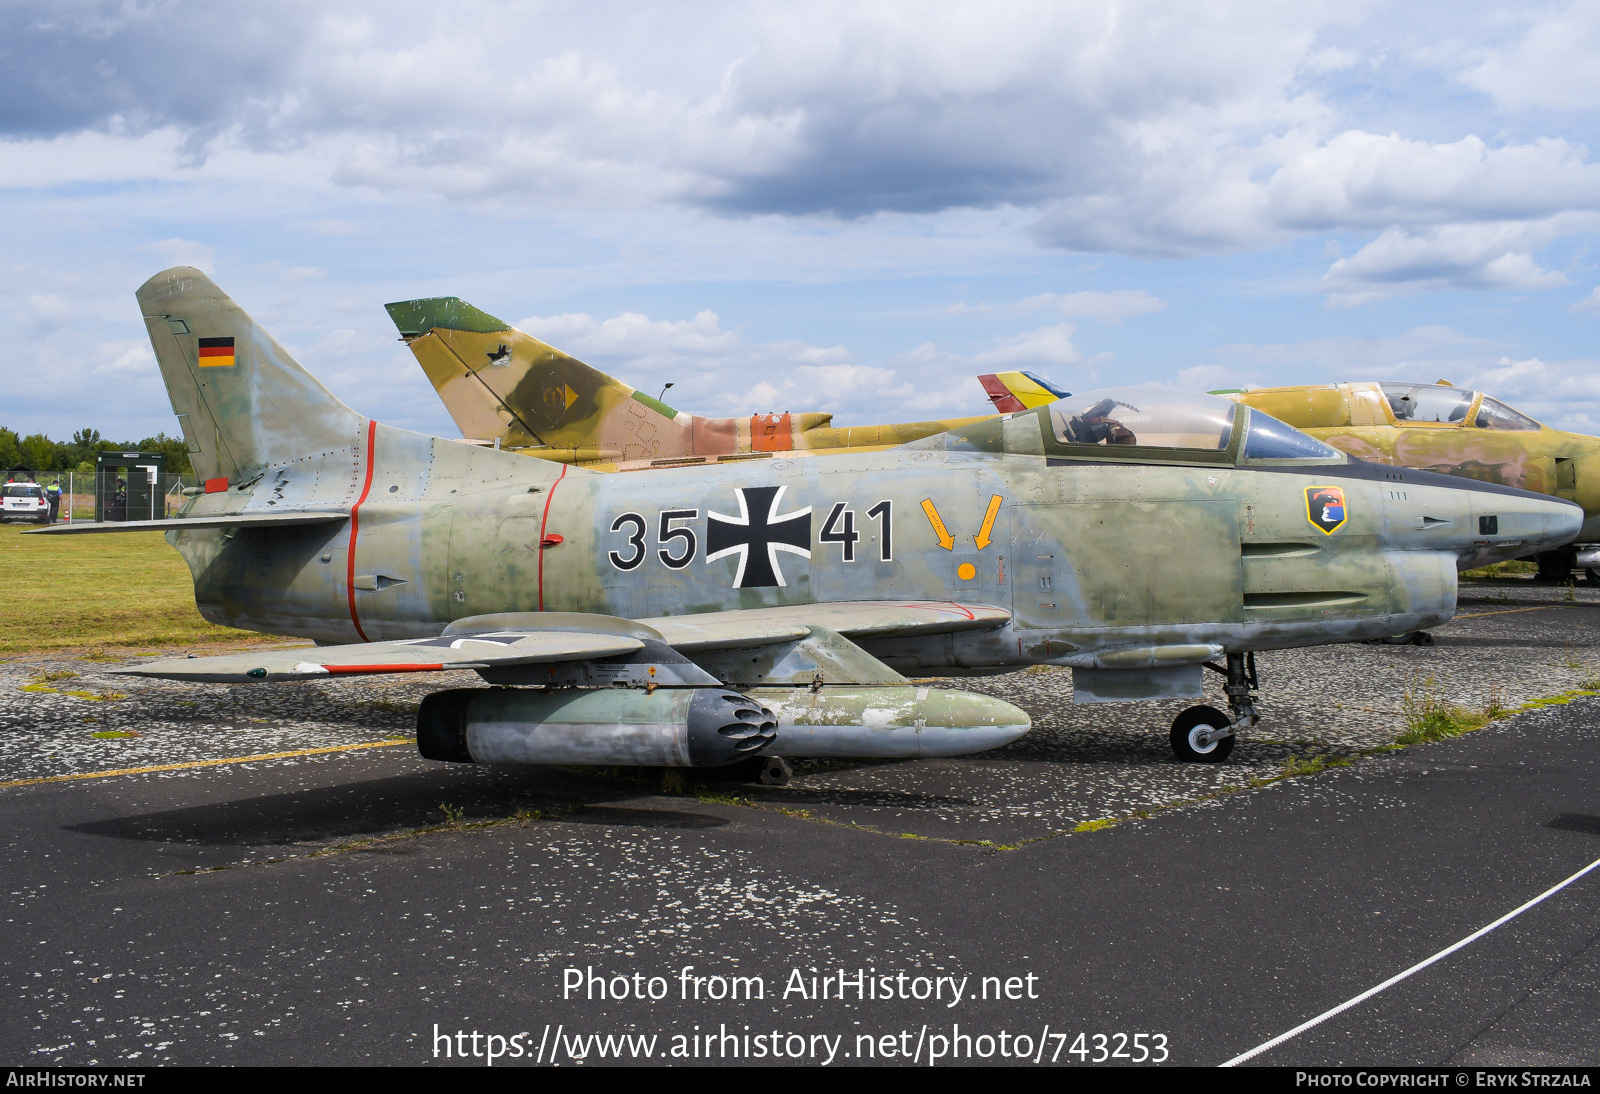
(490,649)
(230,520)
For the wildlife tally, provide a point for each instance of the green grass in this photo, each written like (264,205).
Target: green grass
(1502,569)
(92,593)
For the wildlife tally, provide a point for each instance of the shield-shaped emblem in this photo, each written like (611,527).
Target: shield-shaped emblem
(1325,508)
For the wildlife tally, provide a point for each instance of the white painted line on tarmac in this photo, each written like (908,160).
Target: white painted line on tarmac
(1418,967)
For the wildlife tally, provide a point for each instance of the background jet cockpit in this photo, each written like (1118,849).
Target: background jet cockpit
(1440,404)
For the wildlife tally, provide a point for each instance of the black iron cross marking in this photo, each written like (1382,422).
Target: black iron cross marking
(757,534)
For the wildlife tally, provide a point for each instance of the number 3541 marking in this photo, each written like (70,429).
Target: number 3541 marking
(677,544)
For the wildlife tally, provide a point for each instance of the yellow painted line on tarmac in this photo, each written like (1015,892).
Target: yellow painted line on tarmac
(1506,611)
(199,763)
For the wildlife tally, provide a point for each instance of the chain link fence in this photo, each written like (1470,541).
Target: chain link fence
(106,495)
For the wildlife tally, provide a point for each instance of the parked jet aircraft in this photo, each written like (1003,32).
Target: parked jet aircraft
(698,616)
(1432,427)
(507,387)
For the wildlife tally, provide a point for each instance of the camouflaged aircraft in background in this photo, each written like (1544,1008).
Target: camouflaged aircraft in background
(1431,427)
(750,611)
(505,387)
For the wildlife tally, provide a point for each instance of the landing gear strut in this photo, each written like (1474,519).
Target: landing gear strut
(1206,735)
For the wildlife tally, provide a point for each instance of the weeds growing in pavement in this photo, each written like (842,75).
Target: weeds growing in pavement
(1429,718)
(453,814)
(1294,765)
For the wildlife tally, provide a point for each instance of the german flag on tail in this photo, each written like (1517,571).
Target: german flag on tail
(216,352)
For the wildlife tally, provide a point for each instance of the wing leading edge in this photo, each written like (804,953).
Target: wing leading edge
(507,641)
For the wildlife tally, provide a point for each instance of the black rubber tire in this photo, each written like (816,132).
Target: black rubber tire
(1556,566)
(1592,577)
(1190,720)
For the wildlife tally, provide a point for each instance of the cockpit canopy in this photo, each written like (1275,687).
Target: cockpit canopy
(1158,417)
(1149,416)
(1439,403)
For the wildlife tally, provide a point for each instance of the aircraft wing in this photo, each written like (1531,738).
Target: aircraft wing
(495,649)
(527,639)
(853,619)
(227,520)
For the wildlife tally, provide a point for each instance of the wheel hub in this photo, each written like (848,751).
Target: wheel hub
(1201,739)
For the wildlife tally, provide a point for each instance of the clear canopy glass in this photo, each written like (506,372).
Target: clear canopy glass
(1148,417)
(1270,439)
(1428,402)
(1493,414)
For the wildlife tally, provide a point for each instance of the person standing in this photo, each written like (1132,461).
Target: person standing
(53,493)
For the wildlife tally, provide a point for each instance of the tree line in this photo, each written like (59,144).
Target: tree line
(58,457)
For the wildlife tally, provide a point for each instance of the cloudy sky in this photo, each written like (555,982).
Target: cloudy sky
(852,207)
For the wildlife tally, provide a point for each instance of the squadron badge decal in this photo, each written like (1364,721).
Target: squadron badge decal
(1325,508)
(756,536)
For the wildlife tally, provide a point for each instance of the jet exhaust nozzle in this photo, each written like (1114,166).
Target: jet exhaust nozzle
(669,727)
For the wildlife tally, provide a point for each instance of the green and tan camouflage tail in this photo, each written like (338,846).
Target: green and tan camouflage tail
(499,383)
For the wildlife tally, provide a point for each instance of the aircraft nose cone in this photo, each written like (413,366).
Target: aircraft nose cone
(1516,523)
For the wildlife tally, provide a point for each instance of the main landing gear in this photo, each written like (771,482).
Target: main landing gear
(1204,734)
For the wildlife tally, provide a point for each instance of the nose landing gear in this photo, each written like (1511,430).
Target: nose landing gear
(1204,734)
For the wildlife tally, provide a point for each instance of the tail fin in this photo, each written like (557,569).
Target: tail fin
(497,381)
(1014,391)
(242,401)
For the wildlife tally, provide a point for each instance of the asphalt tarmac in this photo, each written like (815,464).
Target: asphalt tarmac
(364,905)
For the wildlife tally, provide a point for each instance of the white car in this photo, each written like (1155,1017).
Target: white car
(24,501)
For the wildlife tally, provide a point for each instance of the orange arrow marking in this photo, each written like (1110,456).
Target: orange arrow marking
(945,539)
(982,539)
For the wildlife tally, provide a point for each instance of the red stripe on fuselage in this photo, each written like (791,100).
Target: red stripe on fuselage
(347,669)
(350,555)
(548,498)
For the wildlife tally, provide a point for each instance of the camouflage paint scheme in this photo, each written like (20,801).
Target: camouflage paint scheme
(499,383)
(978,550)
(1357,418)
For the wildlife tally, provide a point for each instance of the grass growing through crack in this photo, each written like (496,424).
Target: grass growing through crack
(1430,718)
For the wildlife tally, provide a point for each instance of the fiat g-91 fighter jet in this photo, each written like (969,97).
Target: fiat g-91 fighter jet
(706,615)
